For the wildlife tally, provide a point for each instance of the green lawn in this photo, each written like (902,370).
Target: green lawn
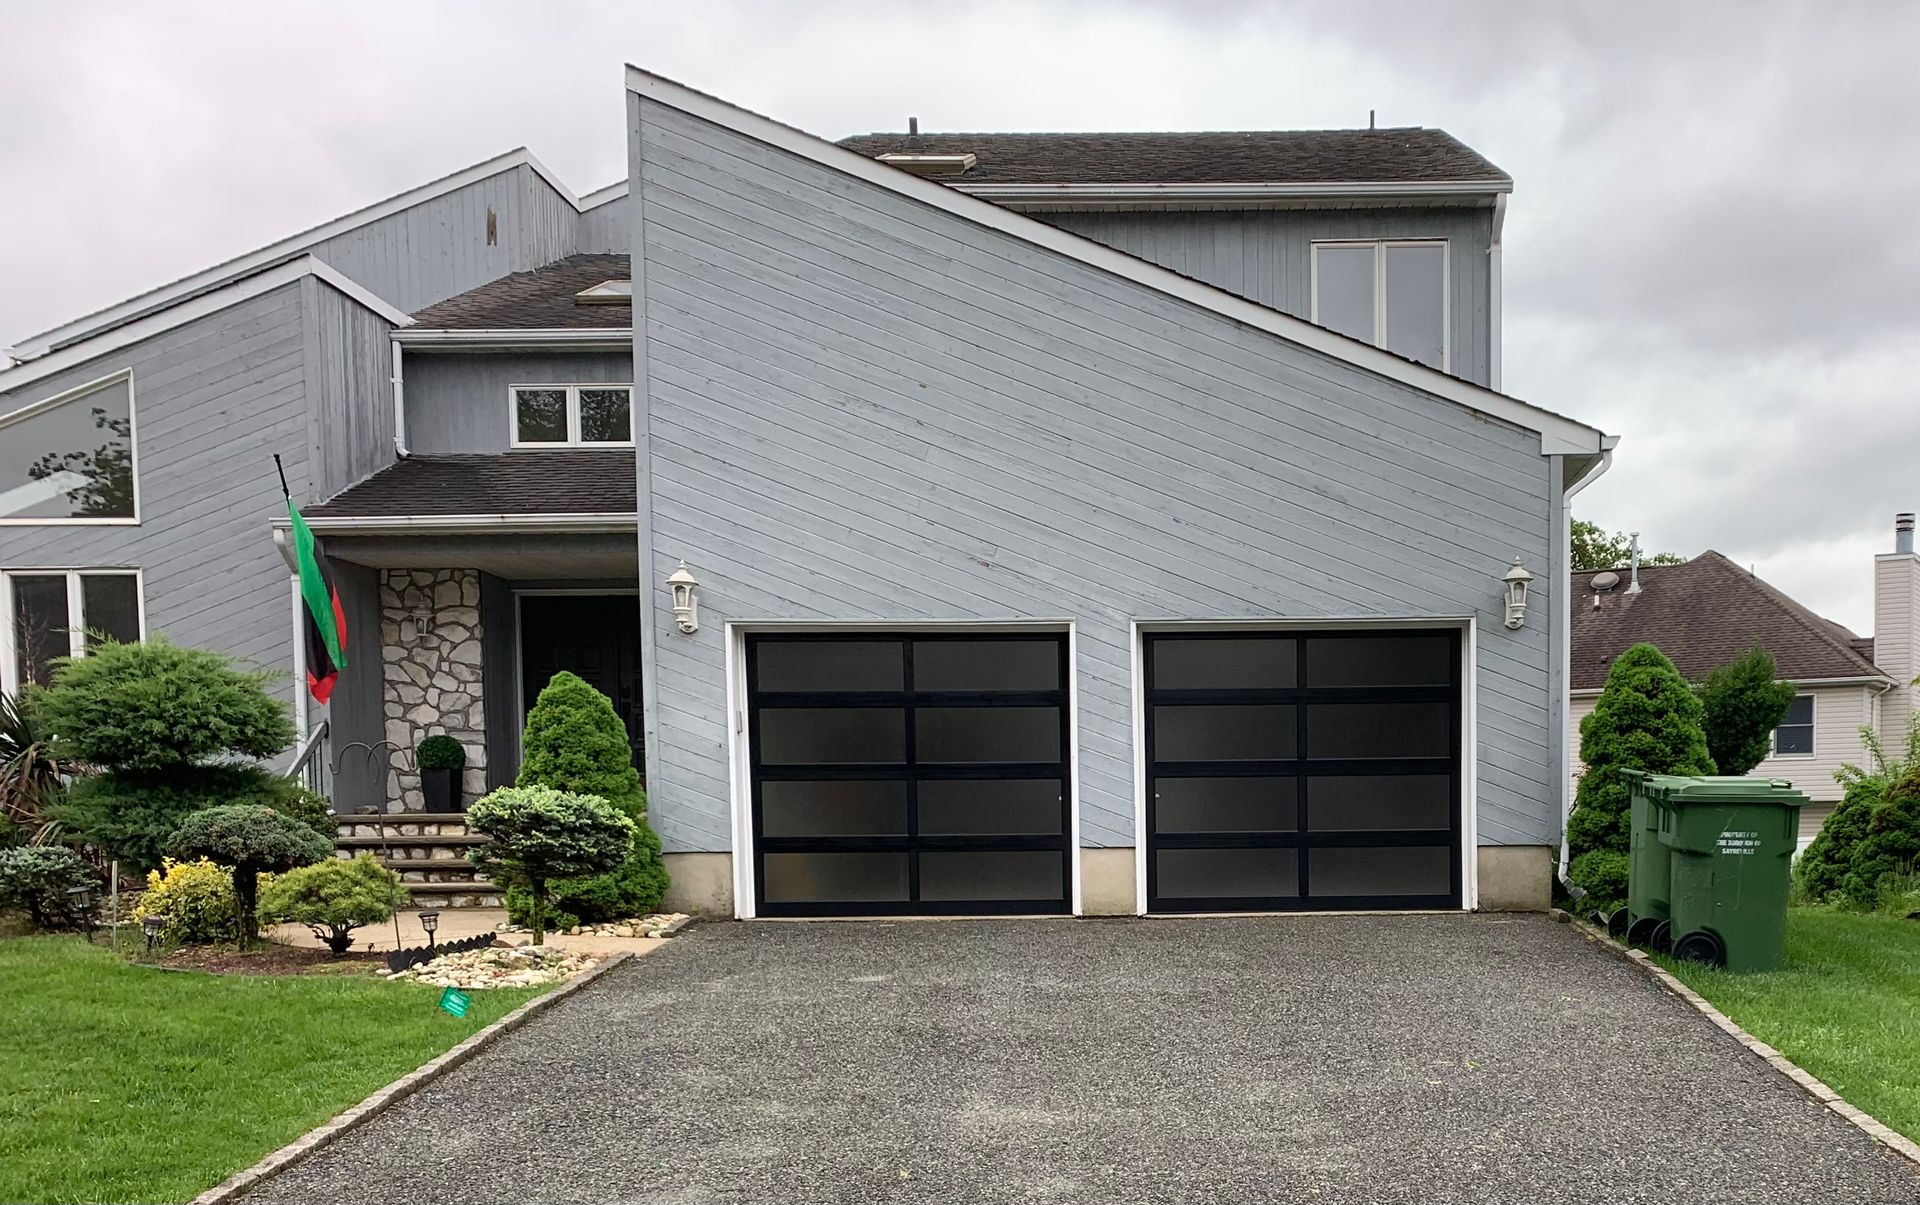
(1847,1008)
(124,1083)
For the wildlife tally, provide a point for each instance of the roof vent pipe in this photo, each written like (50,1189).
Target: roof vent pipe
(1903,532)
(913,127)
(1633,584)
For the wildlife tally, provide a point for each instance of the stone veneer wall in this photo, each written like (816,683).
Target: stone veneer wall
(430,637)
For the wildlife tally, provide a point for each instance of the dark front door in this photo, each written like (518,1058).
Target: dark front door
(1303,771)
(596,636)
(908,774)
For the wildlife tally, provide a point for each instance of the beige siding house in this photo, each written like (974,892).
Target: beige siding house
(1706,612)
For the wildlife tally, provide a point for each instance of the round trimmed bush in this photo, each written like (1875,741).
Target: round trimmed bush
(134,815)
(334,897)
(538,836)
(251,839)
(39,881)
(440,752)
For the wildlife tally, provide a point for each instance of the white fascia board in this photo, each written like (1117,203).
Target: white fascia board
(450,340)
(417,525)
(193,309)
(600,196)
(1217,192)
(45,342)
(1593,692)
(1558,433)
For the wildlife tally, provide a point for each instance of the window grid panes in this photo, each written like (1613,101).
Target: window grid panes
(1392,294)
(1794,736)
(57,613)
(72,460)
(558,416)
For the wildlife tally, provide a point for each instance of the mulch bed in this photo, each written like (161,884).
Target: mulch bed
(271,959)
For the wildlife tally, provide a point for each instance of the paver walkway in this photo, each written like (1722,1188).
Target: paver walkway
(1325,1059)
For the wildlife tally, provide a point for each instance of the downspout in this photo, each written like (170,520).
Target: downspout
(1495,290)
(399,407)
(1563,619)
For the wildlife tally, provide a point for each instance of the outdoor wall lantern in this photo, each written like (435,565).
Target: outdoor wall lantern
(1517,580)
(417,623)
(686,608)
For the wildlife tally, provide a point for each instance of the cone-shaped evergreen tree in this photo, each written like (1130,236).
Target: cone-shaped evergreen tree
(1647,718)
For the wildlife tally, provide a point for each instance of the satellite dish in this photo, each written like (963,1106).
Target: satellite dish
(1605,581)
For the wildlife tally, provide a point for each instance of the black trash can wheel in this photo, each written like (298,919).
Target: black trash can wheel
(1640,932)
(1618,922)
(1660,941)
(1702,946)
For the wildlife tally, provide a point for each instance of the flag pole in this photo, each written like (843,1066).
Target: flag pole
(282,470)
(300,719)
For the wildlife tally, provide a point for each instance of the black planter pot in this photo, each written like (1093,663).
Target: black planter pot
(442,789)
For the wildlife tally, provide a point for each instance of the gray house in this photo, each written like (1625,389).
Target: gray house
(963,523)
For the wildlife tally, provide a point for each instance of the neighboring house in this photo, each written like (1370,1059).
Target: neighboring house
(1705,613)
(1081,523)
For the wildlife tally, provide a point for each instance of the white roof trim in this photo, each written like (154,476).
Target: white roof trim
(160,321)
(47,341)
(600,196)
(1558,434)
(420,525)
(571,336)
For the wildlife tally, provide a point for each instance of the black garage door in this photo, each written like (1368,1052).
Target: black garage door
(908,774)
(1303,771)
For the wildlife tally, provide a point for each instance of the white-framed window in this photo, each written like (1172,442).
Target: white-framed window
(53,613)
(1392,293)
(562,416)
(1794,736)
(70,458)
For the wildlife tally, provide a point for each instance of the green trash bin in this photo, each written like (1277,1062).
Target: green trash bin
(1731,843)
(1648,909)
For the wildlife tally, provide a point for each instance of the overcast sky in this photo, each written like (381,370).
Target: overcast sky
(1712,248)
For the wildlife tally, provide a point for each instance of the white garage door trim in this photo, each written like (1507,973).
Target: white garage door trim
(745,905)
(1466,625)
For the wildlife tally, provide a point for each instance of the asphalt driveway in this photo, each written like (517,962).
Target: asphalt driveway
(1325,1059)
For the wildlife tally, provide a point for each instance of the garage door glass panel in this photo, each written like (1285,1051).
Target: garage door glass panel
(1411,660)
(1364,730)
(1008,875)
(1224,733)
(833,809)
(1226,805)
(813,878)
(961,807)
(986,665)
(1381,870)
(1228,873)
(1380,802)
(832,735)
(830,665)
(961,735)
(1216,664)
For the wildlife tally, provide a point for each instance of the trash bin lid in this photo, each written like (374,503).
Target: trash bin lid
(1715,788)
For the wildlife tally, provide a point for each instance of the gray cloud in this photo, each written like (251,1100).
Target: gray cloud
(1710,248)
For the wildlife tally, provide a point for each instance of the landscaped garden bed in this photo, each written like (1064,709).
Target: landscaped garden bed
(123,1082)
(502,966)
(1844,1008)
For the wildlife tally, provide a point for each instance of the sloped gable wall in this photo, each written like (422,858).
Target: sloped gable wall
(864,407)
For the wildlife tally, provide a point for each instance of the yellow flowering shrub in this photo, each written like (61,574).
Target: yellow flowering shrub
(195,898)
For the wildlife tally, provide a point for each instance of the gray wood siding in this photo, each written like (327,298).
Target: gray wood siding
(213,400)
(439,248)
(499,646)
(603,229)
(349,364)
(1265,255)
(864,407)
(457,402)
(356,711)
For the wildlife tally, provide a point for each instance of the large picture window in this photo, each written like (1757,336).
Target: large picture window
(69,458)
(54,613)
(562,416)
(1391,294)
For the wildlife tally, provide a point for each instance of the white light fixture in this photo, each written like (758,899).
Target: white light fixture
(1517,580)
(686,608)
(416,624)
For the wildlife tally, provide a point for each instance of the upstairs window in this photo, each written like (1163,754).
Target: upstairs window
(1391,294)
(1794,736)
(69,458)
(58,613)
(562,416)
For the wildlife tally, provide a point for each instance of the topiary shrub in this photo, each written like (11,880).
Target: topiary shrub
(575,742)
(440,752)
(539,836)
(134,814)
(334,897)
(1889,853)
(1822,867)
(39,879)
(250,839)
(1647,718)
(194,898)
(1743,702)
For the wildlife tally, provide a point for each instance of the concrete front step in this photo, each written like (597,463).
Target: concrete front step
(476,894)
(402,824)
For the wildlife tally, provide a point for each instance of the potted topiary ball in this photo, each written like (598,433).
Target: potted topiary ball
(441,759)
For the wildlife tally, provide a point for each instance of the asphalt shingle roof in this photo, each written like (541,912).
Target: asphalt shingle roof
(1400,154)
(572,481)
(542,299)
(1702,615)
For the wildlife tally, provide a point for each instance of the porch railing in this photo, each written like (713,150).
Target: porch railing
(312,762)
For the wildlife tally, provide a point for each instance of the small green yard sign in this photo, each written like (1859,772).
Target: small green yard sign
(455,1001)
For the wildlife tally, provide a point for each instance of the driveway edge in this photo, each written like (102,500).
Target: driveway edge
(313,1140)
(1892,1139)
